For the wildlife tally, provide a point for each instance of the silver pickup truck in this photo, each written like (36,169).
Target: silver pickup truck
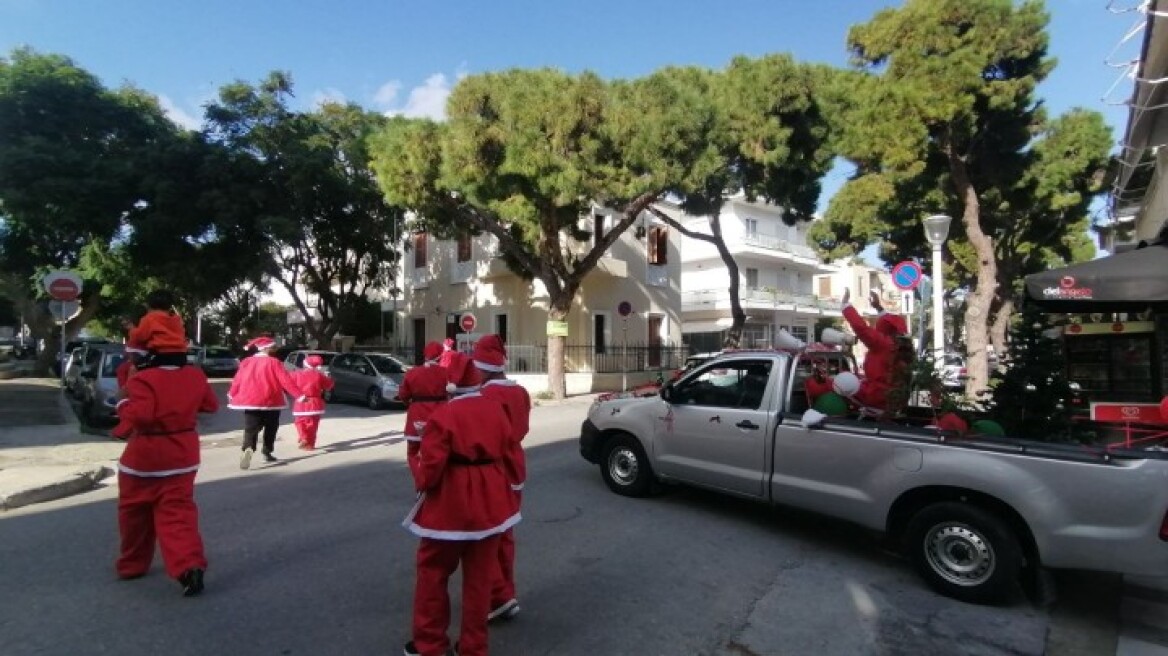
(971,513)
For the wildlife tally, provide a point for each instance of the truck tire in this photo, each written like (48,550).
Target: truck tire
(965,552)
(625,467)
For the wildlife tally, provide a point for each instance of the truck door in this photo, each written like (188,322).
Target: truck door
(715,427)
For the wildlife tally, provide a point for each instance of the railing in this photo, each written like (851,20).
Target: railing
(775,244)
(578,358)
(708,298)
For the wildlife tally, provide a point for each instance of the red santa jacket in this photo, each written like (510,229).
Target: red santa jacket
(161,332)
(161,409)
(462,472)
(260,384)
(424,390)
(516,403)
(878,363)
(313,384)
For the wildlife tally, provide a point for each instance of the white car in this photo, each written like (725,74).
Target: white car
(953,371)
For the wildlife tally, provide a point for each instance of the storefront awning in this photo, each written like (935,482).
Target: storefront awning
(1128,282)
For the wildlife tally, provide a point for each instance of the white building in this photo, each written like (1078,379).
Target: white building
(776,277)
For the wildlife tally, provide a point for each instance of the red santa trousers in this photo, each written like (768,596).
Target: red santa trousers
(306,426)
(437,560)
(162,507)
(503,589)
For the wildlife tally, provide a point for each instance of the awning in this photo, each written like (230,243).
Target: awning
(1128,282)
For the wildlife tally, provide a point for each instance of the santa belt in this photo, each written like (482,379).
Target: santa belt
(457,459)
(163,433)
(424,399)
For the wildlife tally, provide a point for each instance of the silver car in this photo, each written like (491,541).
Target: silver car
(373,378)
(295,359)
(97,387)
(219,361)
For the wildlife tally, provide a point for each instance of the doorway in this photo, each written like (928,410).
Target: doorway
(419,339)
(656,321)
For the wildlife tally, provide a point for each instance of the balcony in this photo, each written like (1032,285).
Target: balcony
(758,299)
(772,243)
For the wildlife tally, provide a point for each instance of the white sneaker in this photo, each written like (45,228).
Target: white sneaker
(245,459)
(507,610)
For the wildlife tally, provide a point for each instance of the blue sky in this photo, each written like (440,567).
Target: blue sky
(403,56)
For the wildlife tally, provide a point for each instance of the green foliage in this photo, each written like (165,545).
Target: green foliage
(1031,398)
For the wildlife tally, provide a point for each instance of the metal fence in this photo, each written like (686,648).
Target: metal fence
(578,358)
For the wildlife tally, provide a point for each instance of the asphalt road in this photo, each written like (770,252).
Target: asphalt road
(308,558)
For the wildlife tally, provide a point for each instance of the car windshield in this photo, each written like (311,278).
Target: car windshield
(385,364)
(109,368)
(219,353)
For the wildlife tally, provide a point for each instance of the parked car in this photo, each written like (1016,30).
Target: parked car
(370,377)
(74,363)
(294,361)
(953,372)
(62,362)
(98,383)
(219,361)
(971,514)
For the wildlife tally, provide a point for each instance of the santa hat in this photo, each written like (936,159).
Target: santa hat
(462,375)
(892,325)
(261,343)
(314,360)
(490,354)
(432,351)
(136,347)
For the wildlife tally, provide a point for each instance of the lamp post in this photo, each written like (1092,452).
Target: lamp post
(937,231)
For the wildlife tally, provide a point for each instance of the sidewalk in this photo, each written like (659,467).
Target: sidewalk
(1143,616)
(44,454)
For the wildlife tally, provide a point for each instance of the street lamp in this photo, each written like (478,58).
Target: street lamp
(937,231)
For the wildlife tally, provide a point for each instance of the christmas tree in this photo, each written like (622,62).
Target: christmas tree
(1031,396)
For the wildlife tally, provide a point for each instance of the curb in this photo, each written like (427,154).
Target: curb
(81,480)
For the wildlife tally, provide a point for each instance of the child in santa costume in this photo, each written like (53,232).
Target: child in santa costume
(490,357)
(156,472)
(308,409)
(448,352)
(258,389)
(423,390)
(161,327)
(465,502)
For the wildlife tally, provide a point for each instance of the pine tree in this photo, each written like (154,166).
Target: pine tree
(1031,397)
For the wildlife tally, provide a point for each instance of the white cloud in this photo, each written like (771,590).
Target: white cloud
(324,96)
(178,115)
(427,100)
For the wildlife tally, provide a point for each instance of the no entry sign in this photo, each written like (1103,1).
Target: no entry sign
(906,275)
(62,285)
(467,322)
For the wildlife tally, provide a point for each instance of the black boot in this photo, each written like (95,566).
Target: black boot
(191,581)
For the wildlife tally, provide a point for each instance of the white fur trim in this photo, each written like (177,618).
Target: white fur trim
(307,413)
(119,404)
(413,438)
(505,382)
(464,392)
(450,388)
(438,534)
(256,407)
(156,474)
(469,395)
(131,349)
(485,366)
(517,486)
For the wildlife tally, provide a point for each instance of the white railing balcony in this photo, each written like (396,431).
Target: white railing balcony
(757,299)
(772,243)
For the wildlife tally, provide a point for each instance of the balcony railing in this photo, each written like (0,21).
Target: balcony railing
(773,243)
(709,299)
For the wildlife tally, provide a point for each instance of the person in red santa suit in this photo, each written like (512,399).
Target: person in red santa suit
(156,472)
(307,412)
(258,389)
(462,376)
(135,354)
(448,353)
(882,363)
(423,390)
(465,502)
(490,357)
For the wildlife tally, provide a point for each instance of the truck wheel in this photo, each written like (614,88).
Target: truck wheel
(965,552)
(625,468)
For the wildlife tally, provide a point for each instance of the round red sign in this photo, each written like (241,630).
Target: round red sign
(64,289)
(467,322)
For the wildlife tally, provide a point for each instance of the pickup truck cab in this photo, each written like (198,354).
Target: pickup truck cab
(970,513)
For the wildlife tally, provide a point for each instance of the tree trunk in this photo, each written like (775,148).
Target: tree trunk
(737,315)
(979,303)
(557,379)
(999,329)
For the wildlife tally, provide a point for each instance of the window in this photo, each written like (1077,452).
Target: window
(752,278)
(599,330)
(597,228)
(825,287)
(343,362)
(419,250)
(799,332)
(501,327)
(110,368)
(386,365)
(464,248)
(752,227)
(659,245)
(740,384)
